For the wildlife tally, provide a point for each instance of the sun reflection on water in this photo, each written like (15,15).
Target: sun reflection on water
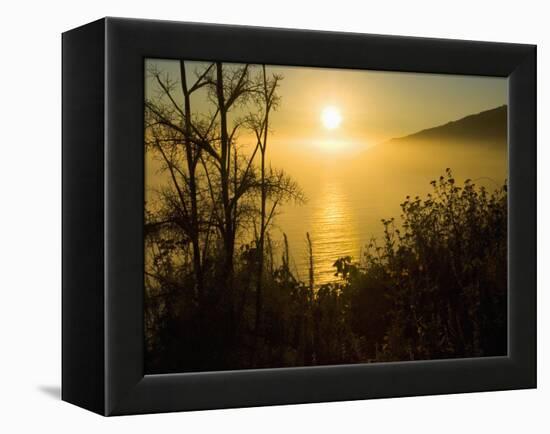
(334,229)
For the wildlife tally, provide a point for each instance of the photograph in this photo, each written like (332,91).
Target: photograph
(301,216)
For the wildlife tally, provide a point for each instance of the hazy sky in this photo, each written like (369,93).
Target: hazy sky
(374,106)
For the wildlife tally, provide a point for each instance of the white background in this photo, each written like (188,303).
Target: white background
(30,215)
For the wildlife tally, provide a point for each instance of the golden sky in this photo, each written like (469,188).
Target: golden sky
(374,106)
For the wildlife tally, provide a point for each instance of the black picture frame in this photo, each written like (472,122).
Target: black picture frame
(103,190)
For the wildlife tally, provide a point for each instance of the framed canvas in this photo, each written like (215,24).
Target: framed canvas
(257,216)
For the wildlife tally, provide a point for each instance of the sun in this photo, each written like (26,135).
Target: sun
(331,117)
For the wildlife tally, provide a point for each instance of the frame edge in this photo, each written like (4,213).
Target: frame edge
(82,217)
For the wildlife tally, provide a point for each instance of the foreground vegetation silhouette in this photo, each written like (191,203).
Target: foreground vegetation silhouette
(435,287)
(219,291)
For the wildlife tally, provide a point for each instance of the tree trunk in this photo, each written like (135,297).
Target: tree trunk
(228,235)
(261,242)
(192,159)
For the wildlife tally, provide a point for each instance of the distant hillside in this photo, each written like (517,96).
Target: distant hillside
(488,126)
(473,147)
